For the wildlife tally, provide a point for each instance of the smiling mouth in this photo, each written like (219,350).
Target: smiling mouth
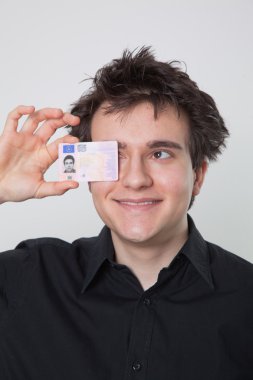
(134,203)
(140,203)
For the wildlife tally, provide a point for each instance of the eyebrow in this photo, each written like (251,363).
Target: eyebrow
(156,144)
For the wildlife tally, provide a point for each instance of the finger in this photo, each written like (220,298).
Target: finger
(48,128)
(14,116)
(71,119)
(46,131)
(47,189)
(36,117)
(53,147)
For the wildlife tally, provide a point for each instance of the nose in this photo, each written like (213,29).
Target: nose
(135,174)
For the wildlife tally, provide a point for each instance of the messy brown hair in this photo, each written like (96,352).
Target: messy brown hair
(136,77)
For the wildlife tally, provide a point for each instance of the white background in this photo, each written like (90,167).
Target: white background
(48,48)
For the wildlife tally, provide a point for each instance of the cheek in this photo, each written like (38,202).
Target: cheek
(100,193)
(177,182)
(100,190)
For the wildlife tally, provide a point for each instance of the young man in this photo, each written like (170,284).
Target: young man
(69,163)
(148,298)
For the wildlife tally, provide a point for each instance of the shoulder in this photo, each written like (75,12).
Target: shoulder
(230,268)
(33,261)
(29,251)
(15,264)
(32,252)
(221,256)
(25,252)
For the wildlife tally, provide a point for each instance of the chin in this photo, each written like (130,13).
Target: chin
(136,235)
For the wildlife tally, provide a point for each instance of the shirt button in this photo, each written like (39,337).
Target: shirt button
(136,366)
(147,301)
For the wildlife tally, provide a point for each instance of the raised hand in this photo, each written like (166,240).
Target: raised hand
(25,155)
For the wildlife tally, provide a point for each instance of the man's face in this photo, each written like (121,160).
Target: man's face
(68,164)
(149,202)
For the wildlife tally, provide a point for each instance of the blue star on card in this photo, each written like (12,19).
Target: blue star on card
(69,148)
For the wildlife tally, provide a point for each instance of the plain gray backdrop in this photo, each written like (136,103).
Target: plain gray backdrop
(49,47)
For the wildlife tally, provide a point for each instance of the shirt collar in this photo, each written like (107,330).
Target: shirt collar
(195,249)
(101,250)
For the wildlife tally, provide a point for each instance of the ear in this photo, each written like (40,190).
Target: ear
(199,178)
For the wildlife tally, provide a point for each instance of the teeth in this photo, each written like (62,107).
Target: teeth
(138,203)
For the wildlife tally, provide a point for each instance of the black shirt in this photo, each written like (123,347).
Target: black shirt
(69,312)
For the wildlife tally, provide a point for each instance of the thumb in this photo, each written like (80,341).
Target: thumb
(47,189)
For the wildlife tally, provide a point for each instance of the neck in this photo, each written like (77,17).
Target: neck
(147,259)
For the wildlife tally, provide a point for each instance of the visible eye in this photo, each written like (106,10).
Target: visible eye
(161,154)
